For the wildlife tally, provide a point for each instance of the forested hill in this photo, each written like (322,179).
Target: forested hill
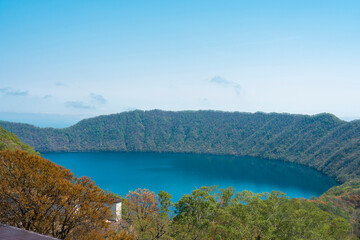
(10,141)
(321,141)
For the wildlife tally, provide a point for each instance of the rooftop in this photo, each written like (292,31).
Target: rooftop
(13,233)
(116,200)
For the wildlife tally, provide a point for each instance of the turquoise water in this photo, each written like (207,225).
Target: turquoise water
(181,173)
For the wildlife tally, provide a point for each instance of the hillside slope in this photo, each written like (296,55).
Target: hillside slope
(11,141)
(321,141)
(344,201)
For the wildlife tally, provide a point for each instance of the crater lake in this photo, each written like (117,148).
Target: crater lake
(179,173)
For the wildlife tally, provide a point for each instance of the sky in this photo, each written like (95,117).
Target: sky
(62,61)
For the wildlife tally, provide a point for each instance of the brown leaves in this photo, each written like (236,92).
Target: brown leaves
(38,195)
(142,202)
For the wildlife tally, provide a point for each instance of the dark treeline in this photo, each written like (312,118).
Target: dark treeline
(321,141)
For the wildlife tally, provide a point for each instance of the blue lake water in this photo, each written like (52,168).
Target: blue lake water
(178,174)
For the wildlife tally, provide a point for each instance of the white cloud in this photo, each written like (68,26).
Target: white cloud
(97,99)
(10,92)
(77,105)
(222,81)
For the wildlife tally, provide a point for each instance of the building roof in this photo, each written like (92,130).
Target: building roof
(116,200)
(13,233)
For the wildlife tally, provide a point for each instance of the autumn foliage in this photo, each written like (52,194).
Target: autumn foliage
(40,196)
(147,213)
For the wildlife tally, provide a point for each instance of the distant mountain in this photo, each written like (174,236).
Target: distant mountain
(320,141)
(11,141)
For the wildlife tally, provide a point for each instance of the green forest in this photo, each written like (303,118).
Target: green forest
(321,141)
(210,213)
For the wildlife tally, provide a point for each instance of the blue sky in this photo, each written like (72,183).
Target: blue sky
(61,61)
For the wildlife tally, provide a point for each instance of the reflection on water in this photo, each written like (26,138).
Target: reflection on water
(181,173)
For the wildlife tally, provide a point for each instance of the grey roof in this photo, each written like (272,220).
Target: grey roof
(13,233)
(116,200)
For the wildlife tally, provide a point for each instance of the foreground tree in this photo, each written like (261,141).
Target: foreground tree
(274,216)
(40,196)
(195,212)
(211,213)
(148,213)
(246,215)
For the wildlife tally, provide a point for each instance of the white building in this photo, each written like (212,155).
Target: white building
(115,209)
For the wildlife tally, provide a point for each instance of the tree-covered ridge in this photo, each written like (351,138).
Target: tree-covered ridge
(11,141)
(321,141)
(344,201)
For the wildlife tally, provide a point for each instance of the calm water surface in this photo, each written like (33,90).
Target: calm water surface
(181,173)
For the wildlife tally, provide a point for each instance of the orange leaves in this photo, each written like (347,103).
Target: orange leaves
(141,210)
(38,195)
(142,202)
